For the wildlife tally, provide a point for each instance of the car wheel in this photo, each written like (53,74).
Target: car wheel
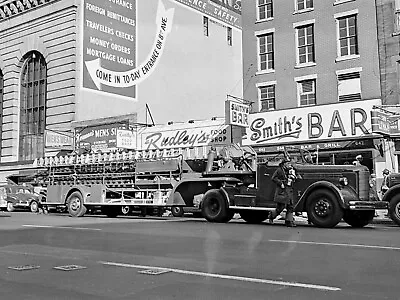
(34,206)
(10,207)
(177,211)
(394,209)
(358,219)
(323,209)
(254,217)
(75,205)
(214,207)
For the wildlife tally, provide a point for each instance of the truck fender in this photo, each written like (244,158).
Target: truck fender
(84,190)
(390,193)
(225,195)
(341,194)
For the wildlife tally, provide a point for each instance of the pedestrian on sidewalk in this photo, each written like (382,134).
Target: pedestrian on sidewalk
(284,177)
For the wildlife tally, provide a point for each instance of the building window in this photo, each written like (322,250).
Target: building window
(32,106)
(266,52)
(349,86)
(229,35)
(348,42)
(397,16)
(1,105)
(267,97)
(304,4)
(306,92)
(205,26)
(305,44)
(265,9)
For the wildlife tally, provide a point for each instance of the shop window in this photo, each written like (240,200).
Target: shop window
(305,44)
(266,52)
(267,97)
(304,5)
(347,36)
(306,92)
(349,86)
(229,35)
(32,106)
(205,26)
(265,10)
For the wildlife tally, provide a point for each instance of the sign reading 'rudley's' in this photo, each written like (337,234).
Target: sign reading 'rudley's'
(325,122)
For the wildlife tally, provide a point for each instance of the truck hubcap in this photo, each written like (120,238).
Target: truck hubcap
(322,208)
(397,210)
(75,204)
(214,206)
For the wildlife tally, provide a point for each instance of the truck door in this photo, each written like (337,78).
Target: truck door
(265,185)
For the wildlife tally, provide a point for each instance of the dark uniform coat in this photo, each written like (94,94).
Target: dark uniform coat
(281,194)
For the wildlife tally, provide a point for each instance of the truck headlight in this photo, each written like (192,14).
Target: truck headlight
(343,181)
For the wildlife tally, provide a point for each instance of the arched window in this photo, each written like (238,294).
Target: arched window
(32,106)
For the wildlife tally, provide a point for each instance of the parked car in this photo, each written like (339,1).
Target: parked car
(20,197)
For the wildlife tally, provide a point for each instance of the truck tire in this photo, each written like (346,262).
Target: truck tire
(323,209)
(75,205)
(34,206)
(177,211)
(358,219)
(214,207)
(254,217)
(394,209)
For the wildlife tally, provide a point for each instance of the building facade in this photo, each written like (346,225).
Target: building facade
(312,72)
(66,61)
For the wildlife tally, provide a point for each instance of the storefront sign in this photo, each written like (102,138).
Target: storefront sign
(126,139)
(99,138)
(380,122)
(227,11)
(185,135)
(237,113)
(58,140)
(325,122)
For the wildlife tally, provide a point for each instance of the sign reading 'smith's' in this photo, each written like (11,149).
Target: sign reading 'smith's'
(347,120)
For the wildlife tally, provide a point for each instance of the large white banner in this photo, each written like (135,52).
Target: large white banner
(313,123)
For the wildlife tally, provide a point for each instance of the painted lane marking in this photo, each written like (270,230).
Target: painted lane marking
(61,227)
(229,277)
(337,244)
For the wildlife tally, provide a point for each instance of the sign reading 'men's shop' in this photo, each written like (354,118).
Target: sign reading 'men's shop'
(109,45)
(320,123)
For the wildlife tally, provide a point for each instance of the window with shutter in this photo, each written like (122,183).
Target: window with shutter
(349,86)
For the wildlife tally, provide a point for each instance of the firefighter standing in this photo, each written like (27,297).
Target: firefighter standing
(284,177)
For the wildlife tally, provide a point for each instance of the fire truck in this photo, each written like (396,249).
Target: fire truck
(241,183)
(111,182)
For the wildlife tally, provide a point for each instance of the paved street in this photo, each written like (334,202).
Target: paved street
(195,259)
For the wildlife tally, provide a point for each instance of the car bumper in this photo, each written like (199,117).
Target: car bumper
(367,205)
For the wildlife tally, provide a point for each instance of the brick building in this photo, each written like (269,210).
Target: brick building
(312,71)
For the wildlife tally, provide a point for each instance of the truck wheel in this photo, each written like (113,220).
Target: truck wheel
(394,209)
(75,205)
(214,207)
(323,209)
(254,217)
(10,207)
(358,219)
(34,206)
(177,211)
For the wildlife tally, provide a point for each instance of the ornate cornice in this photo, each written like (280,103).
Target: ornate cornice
(10,8)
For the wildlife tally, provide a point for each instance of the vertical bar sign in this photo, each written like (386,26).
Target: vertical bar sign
(109,45)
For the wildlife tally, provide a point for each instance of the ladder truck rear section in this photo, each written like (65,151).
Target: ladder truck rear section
(113,182)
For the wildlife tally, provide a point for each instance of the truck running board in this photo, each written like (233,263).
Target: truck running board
(252,208)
